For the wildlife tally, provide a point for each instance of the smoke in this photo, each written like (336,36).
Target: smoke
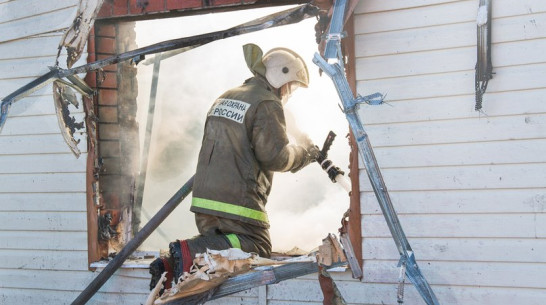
(303,207)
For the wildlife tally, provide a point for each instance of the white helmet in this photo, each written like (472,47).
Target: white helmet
(283,66)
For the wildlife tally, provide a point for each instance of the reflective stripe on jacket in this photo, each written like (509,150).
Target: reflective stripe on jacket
(243,143)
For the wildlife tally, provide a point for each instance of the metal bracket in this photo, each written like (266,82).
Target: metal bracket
(335,34)
(484,66)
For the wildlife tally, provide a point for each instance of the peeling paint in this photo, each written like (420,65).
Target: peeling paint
(75,37)
(64,96)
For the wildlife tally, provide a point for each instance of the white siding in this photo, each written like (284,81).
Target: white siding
(469,187)
(43,238)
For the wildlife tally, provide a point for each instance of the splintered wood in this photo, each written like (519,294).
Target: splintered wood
(330,251)
(212,268)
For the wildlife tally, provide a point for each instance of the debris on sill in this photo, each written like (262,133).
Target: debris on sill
(285,255)
(212,268)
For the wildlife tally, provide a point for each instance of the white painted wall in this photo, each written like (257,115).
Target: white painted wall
(43,239)
(469,187)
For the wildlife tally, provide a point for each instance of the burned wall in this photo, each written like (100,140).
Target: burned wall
(116,160)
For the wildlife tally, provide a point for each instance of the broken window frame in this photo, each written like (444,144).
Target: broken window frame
(100,251)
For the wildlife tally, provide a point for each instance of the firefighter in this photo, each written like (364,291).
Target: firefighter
(244,142)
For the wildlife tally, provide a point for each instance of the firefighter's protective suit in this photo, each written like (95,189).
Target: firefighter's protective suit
(244,142)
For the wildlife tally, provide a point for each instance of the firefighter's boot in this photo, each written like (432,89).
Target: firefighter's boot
(175,250)
(157,268)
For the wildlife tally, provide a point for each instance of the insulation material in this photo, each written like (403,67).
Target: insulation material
(209,270)
(212,268)
(330,251)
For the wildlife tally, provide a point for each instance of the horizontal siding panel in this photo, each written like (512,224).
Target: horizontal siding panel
(48,124)
(27,296)
(502,8)
(37,144)
(506,8)
(284,302)
(455,107)
(378,6)
(411,64)
(8,86)
(130,273)
(72,280)
(520,127)
(29,8)
(443,37)
(27,67)
(385,294)
(478,153)
(307,289)
(456,249)
(45,163)
(522,176)
(43,260)
(296,290)
(42,221)
(484,295)
(231,300)
(33,106)
(461,201)
(248,297)
(526,77)
(20,48)
(467,274)
(416,16)
(44,240)
(67,202)
(114,298)
(371,15)
(415,40)
(42,183)
(39,24)
(518,78)
(453,225)
(125,282)
(34,296)
(452,60)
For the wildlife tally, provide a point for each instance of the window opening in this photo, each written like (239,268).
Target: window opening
(302,207)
